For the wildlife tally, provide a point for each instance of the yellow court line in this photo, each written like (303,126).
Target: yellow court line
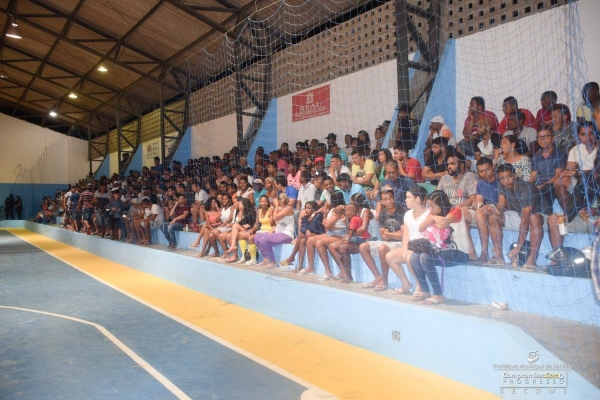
(346,371)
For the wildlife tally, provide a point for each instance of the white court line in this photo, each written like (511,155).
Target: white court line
(313,392)
(141,362)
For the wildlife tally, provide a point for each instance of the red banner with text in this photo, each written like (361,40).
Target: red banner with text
(313,103)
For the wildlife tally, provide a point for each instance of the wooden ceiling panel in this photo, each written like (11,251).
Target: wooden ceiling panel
(86,103)
(14,92)
(116,76)
(78,59)
(65,5)
(18,76)
(56,25)
(68,82)
(121,15)
(78,32)
(29,66)
(51,72)
(49,88)
(36,97)
(34,41)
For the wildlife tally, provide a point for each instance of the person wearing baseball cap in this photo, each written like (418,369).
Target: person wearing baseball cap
(320,165)
(438,128)
(259,190)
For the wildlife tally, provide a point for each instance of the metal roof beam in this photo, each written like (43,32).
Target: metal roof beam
(188,10)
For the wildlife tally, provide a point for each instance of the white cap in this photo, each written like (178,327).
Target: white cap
(438,119)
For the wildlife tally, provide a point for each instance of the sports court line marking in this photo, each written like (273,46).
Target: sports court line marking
(141,362)
(313,391)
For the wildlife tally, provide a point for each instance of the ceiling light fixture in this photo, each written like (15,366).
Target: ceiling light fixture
(3,74)
(102,68)
(12,31)
(72,95)
(53,113)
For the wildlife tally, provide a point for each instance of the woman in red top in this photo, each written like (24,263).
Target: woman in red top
(358,216)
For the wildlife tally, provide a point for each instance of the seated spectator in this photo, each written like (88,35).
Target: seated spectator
(407,166)
(258,185)
(589,94)
(379,135)
(437,129)
(548,102)
(487,186)
(335,149)
(383,157)
(330,139)
(311,224)
(271,189)
(319,188)
(435,166)
(290,192)
(319,166)
(285,152)
(217,229)
(336,168)
(282,217)
(348,146)
(348,188)
(306,192)
(153,218)
(335,230)
(509,155)
(212,212)
(179,218)
(364,142)
(517,210)
(293,177)
(413,218)
(595,114)
(564,129)
(579,182)
(282,164)
(197,206)
(528,136)
(548,163)
(510,106)
(436,231)
(363,169)
(261,226)
(244,225)
(460,186)
(245,190)
(357,218)
(476,111)
(391,219)
(489,145)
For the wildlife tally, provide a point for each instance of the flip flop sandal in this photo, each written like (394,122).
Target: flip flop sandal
(381,288)
(493,262)
(434,302)
(285,263)
(402,291)
(420,296)
(326,278)
(303,272)
(369,286)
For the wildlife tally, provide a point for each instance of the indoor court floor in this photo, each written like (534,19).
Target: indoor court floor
(77,326)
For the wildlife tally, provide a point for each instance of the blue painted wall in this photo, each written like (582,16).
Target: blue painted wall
(30,193)
(267,133)
(184,151)
(442,100)
(104,169)
(137,162)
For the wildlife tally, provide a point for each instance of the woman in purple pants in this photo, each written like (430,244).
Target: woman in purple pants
(284,225)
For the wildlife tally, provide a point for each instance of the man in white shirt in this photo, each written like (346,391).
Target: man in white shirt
(579,182)
(307,190)
(200,196)
(515,124)
(336,168)
(154,217)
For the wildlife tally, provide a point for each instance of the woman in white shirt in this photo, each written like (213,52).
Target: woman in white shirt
(416,199)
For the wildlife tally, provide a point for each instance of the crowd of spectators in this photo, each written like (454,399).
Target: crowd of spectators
(359,197)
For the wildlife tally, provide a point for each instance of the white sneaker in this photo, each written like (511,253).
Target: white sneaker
(241,261)
(250,262)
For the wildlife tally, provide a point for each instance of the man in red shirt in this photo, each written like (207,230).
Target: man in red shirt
(511,106)
(179,215)
(407,166)
(543,118)
(476,111)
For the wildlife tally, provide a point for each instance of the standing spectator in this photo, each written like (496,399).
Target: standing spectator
(548,164)
(75,210)
(87,207)
(115,210)
(101,200)
(179,217)
(9,207)
(19,207)
(391,219)
(510,106)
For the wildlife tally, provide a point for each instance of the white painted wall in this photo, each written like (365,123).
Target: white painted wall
(362,100)
(526,57)
(216,137)
(32,154)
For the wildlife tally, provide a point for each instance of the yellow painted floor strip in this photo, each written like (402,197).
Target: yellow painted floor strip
(346,371)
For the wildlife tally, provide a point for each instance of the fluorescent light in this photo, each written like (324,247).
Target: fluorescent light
(102,68)
(72,95)
(3,74)
(53,114)
(13,32)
